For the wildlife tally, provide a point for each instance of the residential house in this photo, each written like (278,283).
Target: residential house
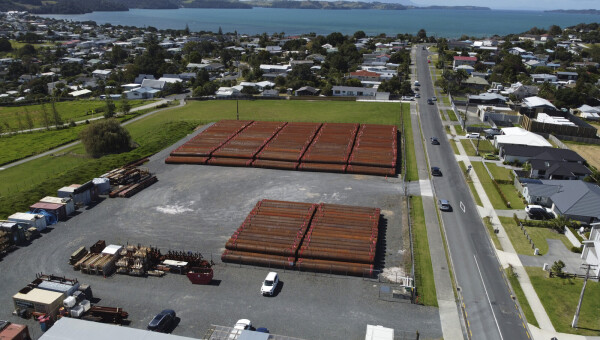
(498,114)
(467,68)
(274,49)
(551,169)
(350,91)
(101,74)
(543,78)
(275,69)
(577,200)
(363,75)
(487,98)
(140,78)
(567,76)
(525,153)
(81,93)
(476,83)
(153,84)
(270,93)
(591,247)
(141,93)
(460,60)
(520,136)
(228,92)
(520,91)
(516,51)
(537,105)
(587,112)
(307,91)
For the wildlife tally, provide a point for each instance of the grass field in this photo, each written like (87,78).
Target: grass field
(470,183)
(423,268)
(412,172)
(493,235)
(452,115)
(560,297)
(484,146)
(516,286)
(454,147)
(587,151)
(72,110)
(459,130)
(499,172)
(509,190)
(538,235)
(22,185)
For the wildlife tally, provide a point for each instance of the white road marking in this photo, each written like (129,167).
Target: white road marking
(488,297)
(462,206)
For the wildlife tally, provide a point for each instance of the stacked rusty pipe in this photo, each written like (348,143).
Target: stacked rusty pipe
(375,150)
(286,149)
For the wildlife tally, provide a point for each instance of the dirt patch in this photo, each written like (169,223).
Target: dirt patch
(589,152)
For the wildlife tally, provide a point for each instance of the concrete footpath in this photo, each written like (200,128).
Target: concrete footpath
(448,306)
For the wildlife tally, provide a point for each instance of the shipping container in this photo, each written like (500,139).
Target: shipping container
(38,300)
(67,201)
(15,332)
(31,220)
(80,197)
(102,185)
(58,210)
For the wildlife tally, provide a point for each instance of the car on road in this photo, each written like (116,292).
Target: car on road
(163,321)
(435,141)
(444,205)
(240,325)
(434,98)
(417,89)
(473,135)
(417,83)
(407,98)
(537,212)
(429,101)
(436,171)
(270,284)
(417,95)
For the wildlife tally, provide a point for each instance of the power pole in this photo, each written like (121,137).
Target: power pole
(465,119)
(587,275)
(237,109)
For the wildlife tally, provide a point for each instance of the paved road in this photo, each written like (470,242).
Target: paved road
(490,311)
(66,146)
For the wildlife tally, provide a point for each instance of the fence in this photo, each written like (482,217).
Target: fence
(527,235)
(558,142)
(595,141)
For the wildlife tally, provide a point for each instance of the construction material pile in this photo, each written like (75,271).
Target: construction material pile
(375,150)
(130,179)
(328,238)
(329,147)
(271,234)
(136,260)
(100,260)
(341,239)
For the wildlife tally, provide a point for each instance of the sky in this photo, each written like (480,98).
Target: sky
(513,4)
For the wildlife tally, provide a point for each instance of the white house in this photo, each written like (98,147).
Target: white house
(141,93)
(350,91)
(591,248)
(520,136)
(154,84)
(227,92)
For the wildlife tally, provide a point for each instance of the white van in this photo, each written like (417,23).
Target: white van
(417,83)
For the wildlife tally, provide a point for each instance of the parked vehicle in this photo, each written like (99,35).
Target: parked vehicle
(434,98)
(429,101)
(262,330)
(270,284)
(490,156)
(417,83)
(407,98)
(417,95)
(435,171)
(474,135)
(435,141)
(163,321)
(444,205)
(537,212)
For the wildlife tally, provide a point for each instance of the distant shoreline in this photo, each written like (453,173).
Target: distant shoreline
(575,11)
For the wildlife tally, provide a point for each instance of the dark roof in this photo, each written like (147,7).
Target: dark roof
(542,190)
(577,198)
(542,152)
(559,168)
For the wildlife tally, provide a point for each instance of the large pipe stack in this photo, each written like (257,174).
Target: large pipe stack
(198,149)
(341,238)
(287,148)
(375,150)
(329,147)
(271,234)
(338,239)
(243,147)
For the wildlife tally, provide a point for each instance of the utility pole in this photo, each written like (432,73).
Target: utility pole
(237,109)
(465,119)
(478,139)
(587,275)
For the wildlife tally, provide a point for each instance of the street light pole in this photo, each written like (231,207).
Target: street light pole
(587,275)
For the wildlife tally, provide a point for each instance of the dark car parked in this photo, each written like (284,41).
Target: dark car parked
(435,171)
(163,321)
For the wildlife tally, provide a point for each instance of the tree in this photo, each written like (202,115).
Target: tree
(105,137)
(555,31)
(557,267)
(58,122)
(5,45)
(110,107)
(359,35)
(422,34)
(45,116)
(125,106)
(28,119)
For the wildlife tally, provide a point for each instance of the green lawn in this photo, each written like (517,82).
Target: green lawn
(16,44)
(446,100)
(423,268)
(412,173)
(538,235)
(499,172)
(470,146)
(22,185)
(459,130)
(72,110)
(489,187)
(442,115)
(560,297)
(516,286)
(454,147)
(470,183)
(493,235)
(466,143)
(512,195)
(452,115)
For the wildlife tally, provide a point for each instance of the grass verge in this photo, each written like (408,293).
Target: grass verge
(493,235)
(459,130)
(423,267)
(516,286)
(412,172)
(452,115)
(470,183)
(492,192)
(560,296)
(538,235)
(499,172)
(454,147)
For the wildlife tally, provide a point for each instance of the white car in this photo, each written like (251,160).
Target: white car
(474,135)
(240,325)
(269,284)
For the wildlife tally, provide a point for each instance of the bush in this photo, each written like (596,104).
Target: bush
(576,249)
(105,137)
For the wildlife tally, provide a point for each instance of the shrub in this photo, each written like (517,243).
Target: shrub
(105,137)
(557,267)
(576,249)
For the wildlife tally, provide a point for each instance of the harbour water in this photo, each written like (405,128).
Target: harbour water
(439,23)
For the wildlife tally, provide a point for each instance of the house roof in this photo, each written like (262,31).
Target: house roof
(488,96)
(576,198)
(461,58)
(307,89)
(542,153)
(559,168)
(537,102)
(542,190)
(591,109)
(155,84)
(363,73)
(517,135)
